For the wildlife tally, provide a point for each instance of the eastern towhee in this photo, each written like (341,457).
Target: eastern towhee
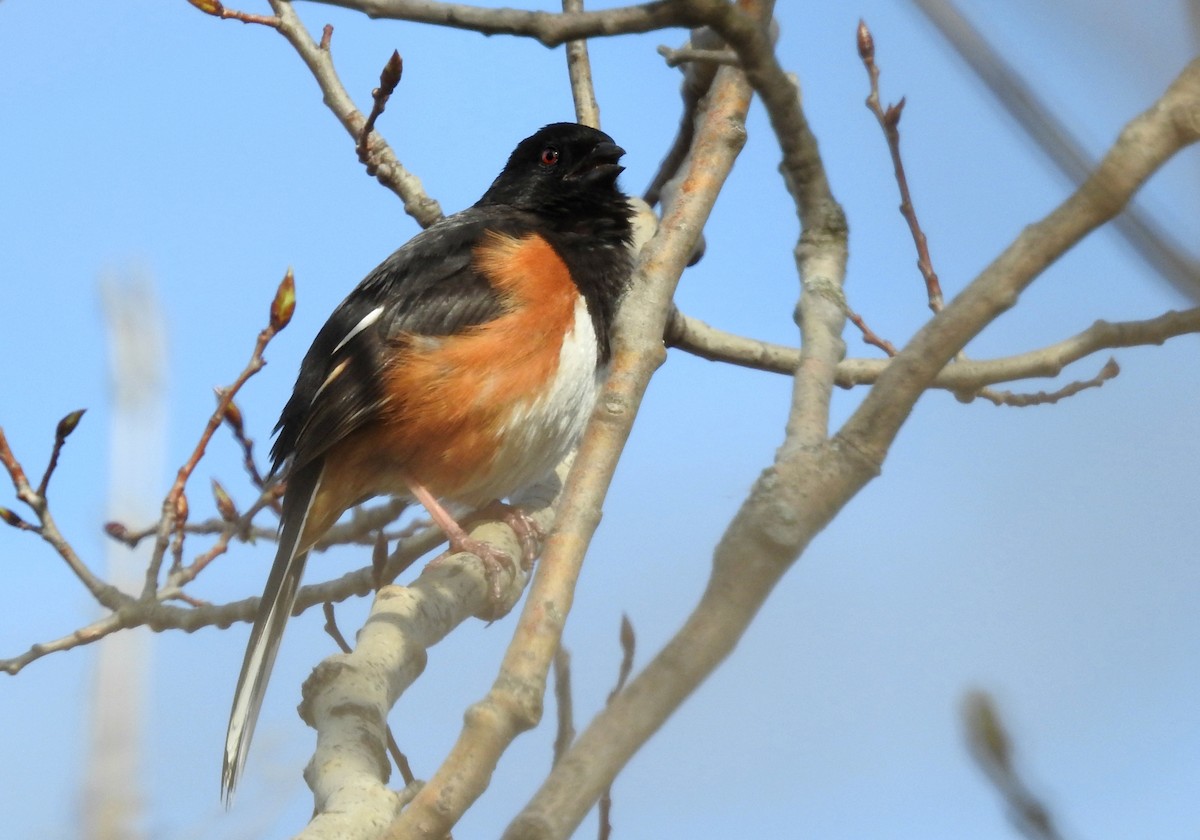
(462,369)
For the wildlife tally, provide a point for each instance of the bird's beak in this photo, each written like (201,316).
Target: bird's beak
(600,164)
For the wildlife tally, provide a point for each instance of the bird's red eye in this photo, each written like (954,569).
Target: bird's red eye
(549,156)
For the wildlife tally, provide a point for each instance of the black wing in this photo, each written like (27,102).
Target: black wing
(428,287)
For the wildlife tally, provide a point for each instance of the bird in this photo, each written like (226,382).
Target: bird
(460,370)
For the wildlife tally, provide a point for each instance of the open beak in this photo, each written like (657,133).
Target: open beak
(601,164)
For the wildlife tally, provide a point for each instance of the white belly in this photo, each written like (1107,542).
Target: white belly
(539,433)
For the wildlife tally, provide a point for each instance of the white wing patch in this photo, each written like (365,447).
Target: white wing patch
(333,374)
(367,320)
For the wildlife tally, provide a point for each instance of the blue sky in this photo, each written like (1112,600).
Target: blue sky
(1047,555)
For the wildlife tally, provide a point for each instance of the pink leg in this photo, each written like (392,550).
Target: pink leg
(494,560)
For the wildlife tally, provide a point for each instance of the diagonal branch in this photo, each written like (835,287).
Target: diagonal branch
(387,167)
(1154,244)
(1144,145)
(514,703)
(348,696)
(591,763)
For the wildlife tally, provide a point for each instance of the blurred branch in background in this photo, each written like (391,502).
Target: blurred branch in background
(1158,248)
(991,748)
(112,804)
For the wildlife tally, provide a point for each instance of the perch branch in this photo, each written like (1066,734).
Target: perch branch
(578,780)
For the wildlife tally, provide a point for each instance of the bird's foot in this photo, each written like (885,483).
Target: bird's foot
(528,531)
(496,564)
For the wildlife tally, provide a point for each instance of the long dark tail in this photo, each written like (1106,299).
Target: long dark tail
(278,599)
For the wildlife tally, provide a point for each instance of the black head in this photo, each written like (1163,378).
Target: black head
(566,173)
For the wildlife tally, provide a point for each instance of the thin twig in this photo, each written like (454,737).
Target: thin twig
(697,79)
(283,304)
(104,592)
(869,335)
(217,9)
(548,28)
(964,378)
(399,758)
(628,646)
(61,433)
(236,423)
(889,121)
(159,616)
(331,628)
(1009,398)
(386,167)
(389,77)
(85,635)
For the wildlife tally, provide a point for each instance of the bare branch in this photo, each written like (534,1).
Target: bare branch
(869,335)
(579,68)
(548,28)
(174,509)
(889,122)
(387,167)
(389,77)
(1110,370)
(697,79)
(964,378)
(107,594)
(335,633)
(348,696)
(1154,244)
(158,615)
(93,632)
(61,433)
(217,9)
(581,776)
(1145,144)
(628,646)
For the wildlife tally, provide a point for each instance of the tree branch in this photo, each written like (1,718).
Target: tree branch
(579,68)
(1144,145)
(991,748)
(380,158)
(348,696)
(159,616)
(1152,243)
(963,378)
(515,700)
(548,28)
(889,123)
(589,766)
